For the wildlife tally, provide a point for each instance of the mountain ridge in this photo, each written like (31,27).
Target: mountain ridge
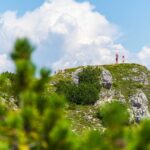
(127,83)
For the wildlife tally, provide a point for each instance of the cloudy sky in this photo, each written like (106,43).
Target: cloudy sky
(70,33)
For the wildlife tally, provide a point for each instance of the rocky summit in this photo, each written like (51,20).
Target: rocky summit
(127,83)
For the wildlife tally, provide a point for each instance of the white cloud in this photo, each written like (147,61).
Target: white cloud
(5,63)
(67,34)
(144,56)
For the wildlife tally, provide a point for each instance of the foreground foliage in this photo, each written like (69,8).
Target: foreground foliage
(39,123)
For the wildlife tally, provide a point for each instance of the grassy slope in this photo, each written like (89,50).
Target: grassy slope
(128,87)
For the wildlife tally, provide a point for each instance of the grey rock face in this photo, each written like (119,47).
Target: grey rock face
(139,106)
(10,103)
(75,77)
(135,70)
(142,78)
(105,96)
(126,78)
(108,96)
(106,79)
(122,98)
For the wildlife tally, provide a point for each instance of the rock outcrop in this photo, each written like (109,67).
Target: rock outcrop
(139,77)
(10,103)
(75,77)
(138,102)
(104,97)
(106,79)
(139,106)
(108,96)
(142,78)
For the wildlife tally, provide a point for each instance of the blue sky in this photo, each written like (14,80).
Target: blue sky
(19,5)
(67,32)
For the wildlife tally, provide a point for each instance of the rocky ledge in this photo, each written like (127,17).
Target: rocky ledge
(130,83)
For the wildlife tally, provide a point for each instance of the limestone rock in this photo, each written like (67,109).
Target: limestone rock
(126,78)
(135,70)
(139,105)
(108,96)
(75,77)
(122,98)
(106,79)
(10,103)
(142,78)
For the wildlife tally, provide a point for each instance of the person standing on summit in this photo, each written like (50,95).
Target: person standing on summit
(123,59)
(117,58)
